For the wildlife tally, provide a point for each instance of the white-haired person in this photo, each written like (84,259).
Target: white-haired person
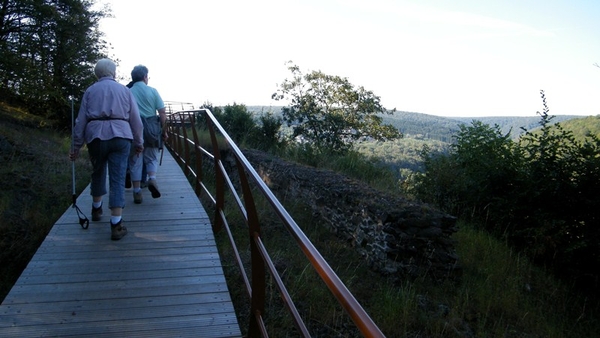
(108,122)
(153,113)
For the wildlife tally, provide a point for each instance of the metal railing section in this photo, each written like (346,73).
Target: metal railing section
(183,146)
(175,106)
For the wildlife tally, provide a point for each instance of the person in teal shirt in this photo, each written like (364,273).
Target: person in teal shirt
(152,109)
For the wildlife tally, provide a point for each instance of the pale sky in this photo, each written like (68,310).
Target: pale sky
(445,58)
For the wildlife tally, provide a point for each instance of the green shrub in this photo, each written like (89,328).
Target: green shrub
(540,193)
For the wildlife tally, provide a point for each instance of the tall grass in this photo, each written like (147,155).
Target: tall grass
(510,294)
(36,181)
(354,164)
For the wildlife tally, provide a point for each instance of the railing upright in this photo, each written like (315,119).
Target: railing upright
(257,305)
(220,188)
(197,157)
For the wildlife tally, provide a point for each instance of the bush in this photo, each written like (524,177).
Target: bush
(241,125)
(475,177)
(268,133)
(540,193)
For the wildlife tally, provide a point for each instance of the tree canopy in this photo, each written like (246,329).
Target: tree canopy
(47,49)
(330,113)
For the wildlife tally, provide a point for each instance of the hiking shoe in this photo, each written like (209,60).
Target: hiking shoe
(153,187)
(137,197)
(127,181)
(96,213)
(117,231)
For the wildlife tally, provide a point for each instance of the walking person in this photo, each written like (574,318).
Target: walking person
(108,122)
(153,114)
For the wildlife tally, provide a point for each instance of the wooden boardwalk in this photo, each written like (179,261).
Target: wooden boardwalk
(164,279)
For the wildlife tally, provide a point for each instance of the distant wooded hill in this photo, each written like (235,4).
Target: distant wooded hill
(424,126)
(440,128)
(403,156)
(582,126)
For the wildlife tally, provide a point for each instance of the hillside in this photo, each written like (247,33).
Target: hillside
(582,126)
(417,125)
(513,124)
(439,128)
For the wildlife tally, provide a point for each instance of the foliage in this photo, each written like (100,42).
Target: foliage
(269,135)
(502,294)
(47,49)
(423,126)
(401,156)
(216,111)
(539,193)
(474,177)
(582,127)
(238,122)
(562,179)
(261,132)
(329,113)
(36,187)
(515,125)
(353,163)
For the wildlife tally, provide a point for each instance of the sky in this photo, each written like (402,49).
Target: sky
(439,57)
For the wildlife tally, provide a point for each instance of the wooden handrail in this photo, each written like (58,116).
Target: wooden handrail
(183,148)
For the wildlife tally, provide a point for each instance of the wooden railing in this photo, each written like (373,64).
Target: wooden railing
(189,153)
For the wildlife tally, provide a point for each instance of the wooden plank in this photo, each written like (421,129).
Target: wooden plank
(129,313)
(199,299)
(181,327)
(163,279)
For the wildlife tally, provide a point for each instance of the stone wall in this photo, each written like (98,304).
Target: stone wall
(397,237)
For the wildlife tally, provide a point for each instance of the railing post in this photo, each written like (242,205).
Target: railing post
(186,146)
(198,155)
(257,303)
(174,137)
(178,139)
(219,180)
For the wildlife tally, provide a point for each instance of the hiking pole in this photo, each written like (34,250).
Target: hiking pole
(162,148)
(83,220)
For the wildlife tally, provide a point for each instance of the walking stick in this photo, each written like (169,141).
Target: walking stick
(162,149)
(83,220)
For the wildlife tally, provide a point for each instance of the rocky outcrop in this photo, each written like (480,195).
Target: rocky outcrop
(396,236)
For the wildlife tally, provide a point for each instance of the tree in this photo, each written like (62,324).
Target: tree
(329,113)
(47,49)
(238,122)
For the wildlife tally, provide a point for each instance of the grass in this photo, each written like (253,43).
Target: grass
(353,164)
(36,178)
(510,294)
(500,294)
